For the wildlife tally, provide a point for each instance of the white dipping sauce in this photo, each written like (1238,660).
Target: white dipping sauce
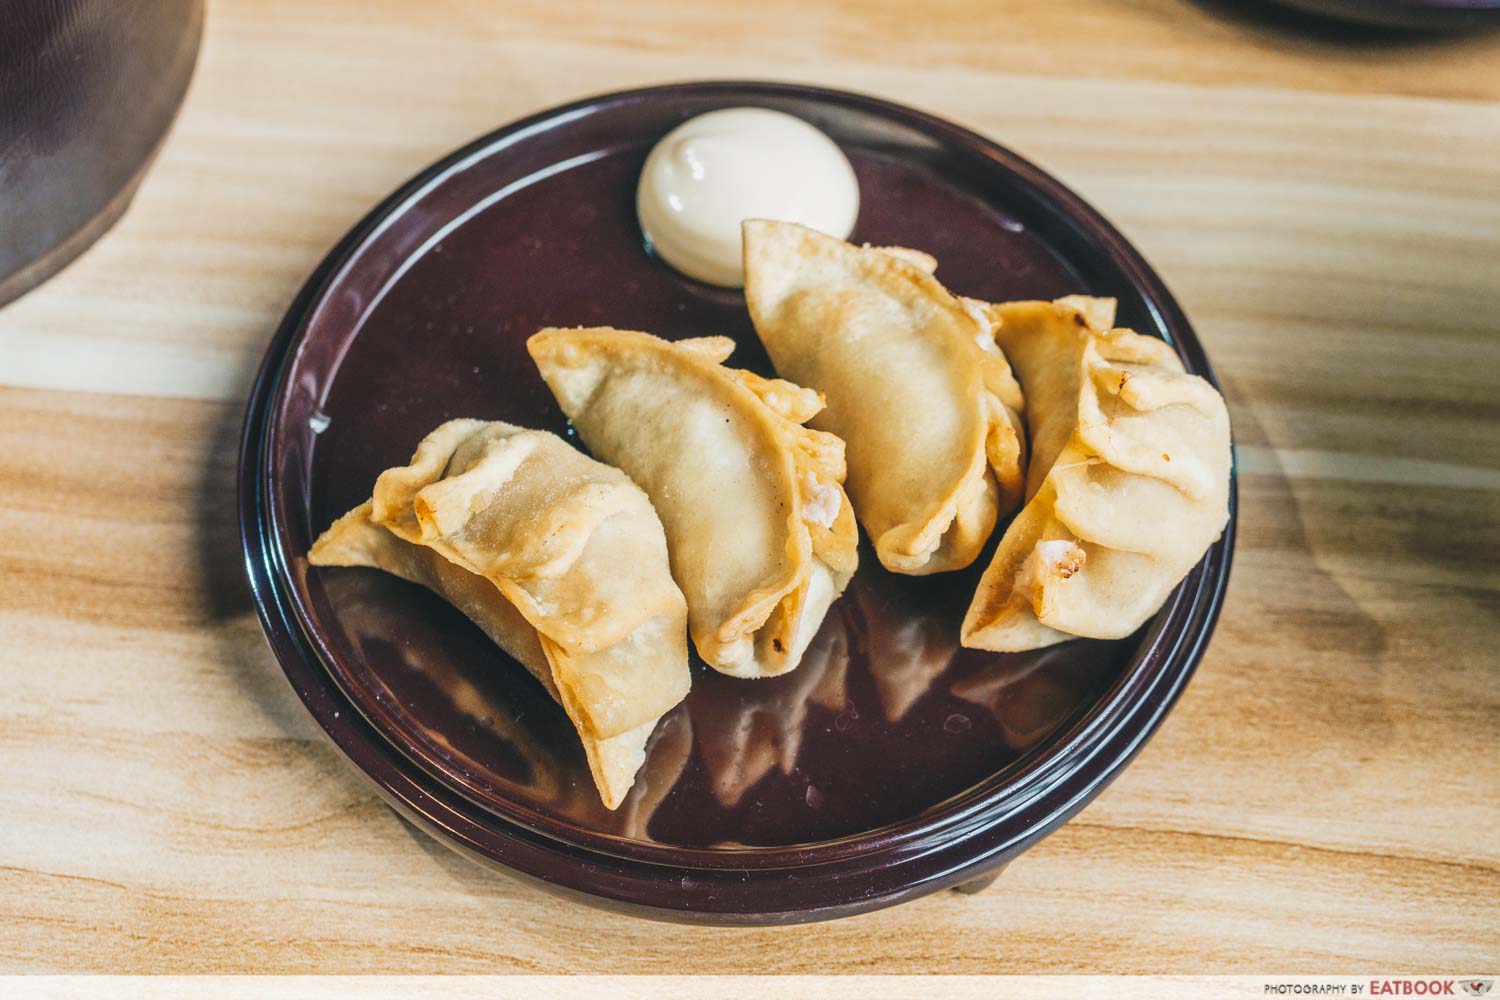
(712,172)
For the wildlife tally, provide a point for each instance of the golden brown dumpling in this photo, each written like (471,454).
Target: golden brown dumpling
(761,535)
(1128,485)
(914,383)
(560,559)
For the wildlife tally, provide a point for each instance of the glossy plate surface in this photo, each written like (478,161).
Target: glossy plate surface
(891,762)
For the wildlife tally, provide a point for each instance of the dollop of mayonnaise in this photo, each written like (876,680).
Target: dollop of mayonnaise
(711,173)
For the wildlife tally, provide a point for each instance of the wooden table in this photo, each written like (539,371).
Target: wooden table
(1325,798)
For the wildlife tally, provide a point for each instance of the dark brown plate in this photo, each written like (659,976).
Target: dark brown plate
(892,762)
(1439,16)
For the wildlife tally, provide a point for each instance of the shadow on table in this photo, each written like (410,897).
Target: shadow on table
(228,607)
(1289,627)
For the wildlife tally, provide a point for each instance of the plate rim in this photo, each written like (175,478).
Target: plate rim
(1074,747)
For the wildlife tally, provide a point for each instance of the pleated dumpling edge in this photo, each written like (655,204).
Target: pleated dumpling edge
(1128,486)
(558,558)
(915,385)
(761,534)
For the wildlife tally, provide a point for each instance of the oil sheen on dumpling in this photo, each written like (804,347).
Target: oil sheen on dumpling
(1128,485)
(558,558)
(914,383)
(761,535)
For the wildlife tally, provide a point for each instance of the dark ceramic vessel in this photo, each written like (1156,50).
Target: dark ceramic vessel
(1441,16)
(891,763)
(88,89)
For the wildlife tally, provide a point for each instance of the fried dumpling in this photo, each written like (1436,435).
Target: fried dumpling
(558,558)
(1128,485)
(914,383)
(761,535)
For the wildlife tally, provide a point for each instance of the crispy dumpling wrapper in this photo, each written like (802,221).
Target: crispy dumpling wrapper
(914,384)
(761,536)
(1128,485)
(558,558)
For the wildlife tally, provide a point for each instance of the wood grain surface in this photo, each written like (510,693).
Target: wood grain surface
(1325,202)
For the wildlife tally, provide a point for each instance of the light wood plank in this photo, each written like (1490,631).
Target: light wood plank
(1321,799)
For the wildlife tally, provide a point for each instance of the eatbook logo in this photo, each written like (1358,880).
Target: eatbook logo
(1477,987)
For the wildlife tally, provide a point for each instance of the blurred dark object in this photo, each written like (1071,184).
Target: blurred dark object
(1413,15)
(88,89)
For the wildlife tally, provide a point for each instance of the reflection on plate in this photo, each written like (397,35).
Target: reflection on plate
(739,762)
